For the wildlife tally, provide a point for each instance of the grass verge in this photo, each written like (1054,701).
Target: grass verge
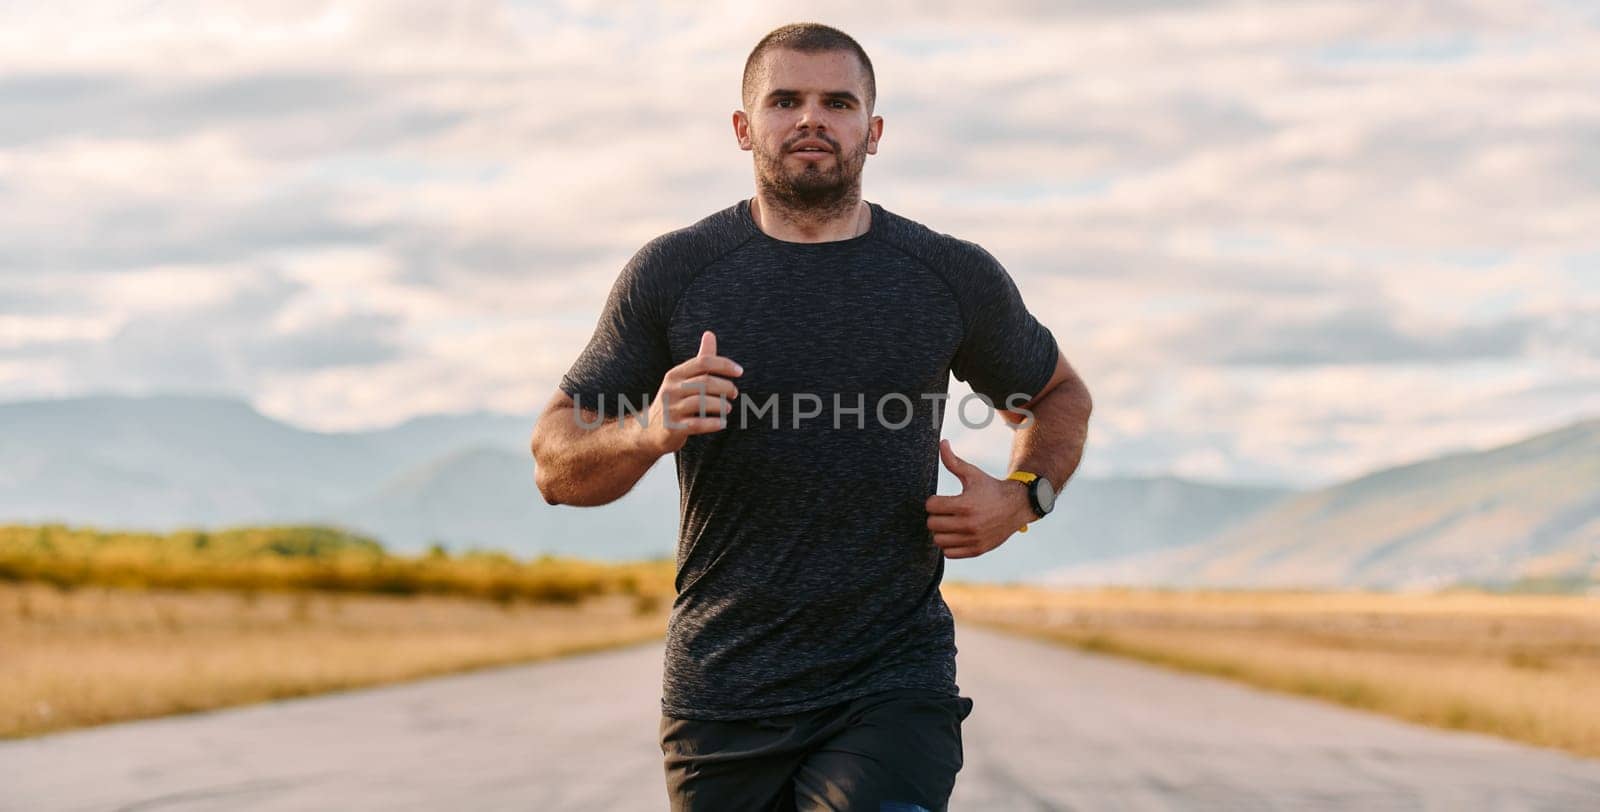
(1520,667)
(72,657)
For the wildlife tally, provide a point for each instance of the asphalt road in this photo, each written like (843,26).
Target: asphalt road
(1050,729)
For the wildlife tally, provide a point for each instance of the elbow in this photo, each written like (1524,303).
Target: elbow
(547,487)
(543,477)
(1085,404)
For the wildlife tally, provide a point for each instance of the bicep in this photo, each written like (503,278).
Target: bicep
(559,403)
(1062,375)
(561,408)
(557,408)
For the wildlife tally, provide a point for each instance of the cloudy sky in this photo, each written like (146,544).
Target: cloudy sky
(1281,242)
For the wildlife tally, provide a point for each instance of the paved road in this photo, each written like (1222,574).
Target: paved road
(1051,729)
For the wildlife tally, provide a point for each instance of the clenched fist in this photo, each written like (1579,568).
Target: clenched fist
(693,398)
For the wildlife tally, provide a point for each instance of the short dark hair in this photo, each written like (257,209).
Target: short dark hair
(807,38)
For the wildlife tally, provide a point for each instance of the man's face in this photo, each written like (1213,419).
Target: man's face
(809,128)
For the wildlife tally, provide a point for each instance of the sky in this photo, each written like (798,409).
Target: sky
(1284,242)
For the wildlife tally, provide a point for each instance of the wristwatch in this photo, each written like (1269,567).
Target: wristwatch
(1041,494)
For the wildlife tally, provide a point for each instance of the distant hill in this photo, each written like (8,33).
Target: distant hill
(1529,510)
(166,462)
(486,497)
(154,462)
(158,462)
(161,463)
(1096,519)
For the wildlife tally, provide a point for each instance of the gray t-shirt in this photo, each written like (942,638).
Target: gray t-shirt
(806,573)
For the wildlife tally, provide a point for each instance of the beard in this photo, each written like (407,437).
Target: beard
(813,189)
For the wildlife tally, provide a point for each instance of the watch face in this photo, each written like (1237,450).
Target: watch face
(1045,493)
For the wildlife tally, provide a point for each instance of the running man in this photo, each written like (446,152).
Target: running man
(793,353)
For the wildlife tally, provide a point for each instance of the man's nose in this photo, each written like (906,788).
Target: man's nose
(810,115)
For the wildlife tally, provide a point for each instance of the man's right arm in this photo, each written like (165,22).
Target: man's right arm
(583,463)
(589,462)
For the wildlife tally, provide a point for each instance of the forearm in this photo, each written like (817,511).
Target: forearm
(1051,445)
(588,465)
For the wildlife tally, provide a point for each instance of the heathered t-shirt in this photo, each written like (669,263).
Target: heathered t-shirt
(806,573)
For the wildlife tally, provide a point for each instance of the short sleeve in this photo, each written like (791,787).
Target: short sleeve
(628,354)
(1004,349)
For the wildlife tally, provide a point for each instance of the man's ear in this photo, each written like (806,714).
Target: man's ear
(741,130)
(874,132)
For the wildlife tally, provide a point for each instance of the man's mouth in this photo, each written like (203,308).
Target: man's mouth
(812,148)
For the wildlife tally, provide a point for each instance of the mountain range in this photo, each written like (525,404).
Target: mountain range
(1524,512)
(463,481)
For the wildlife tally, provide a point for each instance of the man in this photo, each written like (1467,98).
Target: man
(810,659)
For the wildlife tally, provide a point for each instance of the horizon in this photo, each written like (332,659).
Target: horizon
(981,457)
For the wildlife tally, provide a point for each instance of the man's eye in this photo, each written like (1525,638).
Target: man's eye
(785,102)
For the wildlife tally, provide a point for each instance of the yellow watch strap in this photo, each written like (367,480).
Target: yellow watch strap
(1022,476)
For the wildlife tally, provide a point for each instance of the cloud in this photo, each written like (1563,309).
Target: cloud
(1241,220)
(217,346)
(1352,334)
(354,340)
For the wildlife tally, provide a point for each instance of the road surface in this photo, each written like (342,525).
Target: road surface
(1051,729)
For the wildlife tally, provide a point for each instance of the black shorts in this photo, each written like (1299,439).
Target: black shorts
(895,750)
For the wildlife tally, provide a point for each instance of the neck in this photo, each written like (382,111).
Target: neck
(836,223)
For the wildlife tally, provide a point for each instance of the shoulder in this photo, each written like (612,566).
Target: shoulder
(686,250)
(960,261)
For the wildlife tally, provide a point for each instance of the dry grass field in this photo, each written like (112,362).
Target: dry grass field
(100,626)
(309,557)
(1522,667)
(71,657)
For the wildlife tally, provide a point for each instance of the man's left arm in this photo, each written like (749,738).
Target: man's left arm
(1048,443)
(1051,444)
